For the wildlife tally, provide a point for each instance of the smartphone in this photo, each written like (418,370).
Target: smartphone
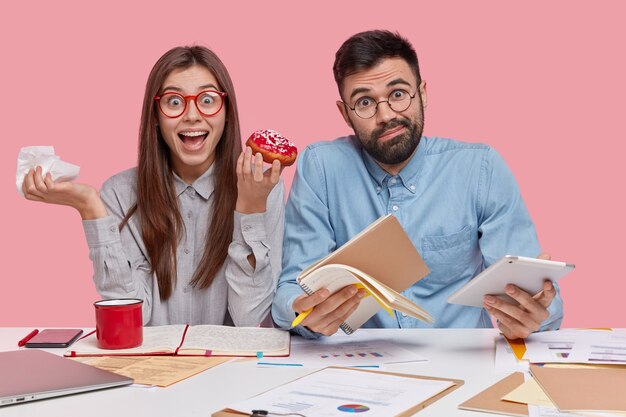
(526,273)
(54,338)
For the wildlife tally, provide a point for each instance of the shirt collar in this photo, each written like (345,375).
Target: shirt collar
(407,175)
(203,185)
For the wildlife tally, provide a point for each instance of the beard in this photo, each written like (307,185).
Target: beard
(398,149)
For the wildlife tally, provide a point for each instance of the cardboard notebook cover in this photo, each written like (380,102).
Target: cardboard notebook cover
(199,340)
(383,251)
(489,400)
(407,413)
(583,389)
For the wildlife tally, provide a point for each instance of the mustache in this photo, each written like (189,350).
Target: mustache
(391,125)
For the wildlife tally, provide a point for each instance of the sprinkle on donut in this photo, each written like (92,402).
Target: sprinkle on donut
(272,145)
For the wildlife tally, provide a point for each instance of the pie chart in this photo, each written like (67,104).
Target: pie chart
(353,408)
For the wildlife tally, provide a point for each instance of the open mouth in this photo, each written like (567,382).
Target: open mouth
(193,140)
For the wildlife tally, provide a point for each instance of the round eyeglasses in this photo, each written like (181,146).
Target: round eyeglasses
(208,103)
(398,100)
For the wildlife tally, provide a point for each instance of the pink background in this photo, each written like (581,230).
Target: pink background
(543,82)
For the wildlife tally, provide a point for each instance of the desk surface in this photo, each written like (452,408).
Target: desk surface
(466,354)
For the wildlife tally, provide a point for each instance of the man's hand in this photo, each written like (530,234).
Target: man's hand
(519,321)
(328,311)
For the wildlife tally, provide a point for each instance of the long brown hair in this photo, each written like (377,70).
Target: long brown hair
(157,206)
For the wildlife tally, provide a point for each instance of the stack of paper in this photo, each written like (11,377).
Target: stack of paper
(577,346)
(555,392)
(583,372)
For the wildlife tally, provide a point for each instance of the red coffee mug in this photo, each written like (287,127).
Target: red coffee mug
(119,323)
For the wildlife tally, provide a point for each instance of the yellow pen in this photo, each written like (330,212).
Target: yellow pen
(368,293)
(305,313)
(301,317)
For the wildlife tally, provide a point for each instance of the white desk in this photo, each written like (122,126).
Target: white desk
(466,354)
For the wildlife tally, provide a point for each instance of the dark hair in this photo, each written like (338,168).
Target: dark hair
(367,49)
(157,206)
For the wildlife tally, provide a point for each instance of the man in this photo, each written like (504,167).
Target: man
(458,202)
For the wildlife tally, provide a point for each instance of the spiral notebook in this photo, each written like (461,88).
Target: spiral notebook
(383,260)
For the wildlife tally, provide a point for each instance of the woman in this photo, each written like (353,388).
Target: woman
(195,229)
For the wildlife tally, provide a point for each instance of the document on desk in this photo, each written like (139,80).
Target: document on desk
(505,360)
(544,411)
(337,391)
(540,411)
(529,393)
(161,371)
(577,346)
(360,349)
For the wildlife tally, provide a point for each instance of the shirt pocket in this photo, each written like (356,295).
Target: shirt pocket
(447,256)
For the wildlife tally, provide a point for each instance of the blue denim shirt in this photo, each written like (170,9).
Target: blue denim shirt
(458,202)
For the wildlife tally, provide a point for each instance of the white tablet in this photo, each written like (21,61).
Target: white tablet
(526,273)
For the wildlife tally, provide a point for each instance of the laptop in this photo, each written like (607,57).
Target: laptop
(29,375)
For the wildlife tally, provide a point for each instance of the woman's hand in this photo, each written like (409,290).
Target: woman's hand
(254,186)
(82,197)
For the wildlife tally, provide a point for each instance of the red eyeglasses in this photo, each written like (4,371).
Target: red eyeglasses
(208,103)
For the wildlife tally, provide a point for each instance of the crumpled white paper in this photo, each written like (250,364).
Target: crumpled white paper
(32,156)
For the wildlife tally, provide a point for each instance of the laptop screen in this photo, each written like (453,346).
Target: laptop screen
(29,375)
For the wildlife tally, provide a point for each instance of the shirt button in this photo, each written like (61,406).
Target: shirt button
(394,208)
(412,187)
(189,215)
(393,181)
(378,189)
(113,228)
(187,250)
(246,228)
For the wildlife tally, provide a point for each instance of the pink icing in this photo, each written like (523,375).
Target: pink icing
(273,141)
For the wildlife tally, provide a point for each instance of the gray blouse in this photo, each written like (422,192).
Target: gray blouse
(238,295)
